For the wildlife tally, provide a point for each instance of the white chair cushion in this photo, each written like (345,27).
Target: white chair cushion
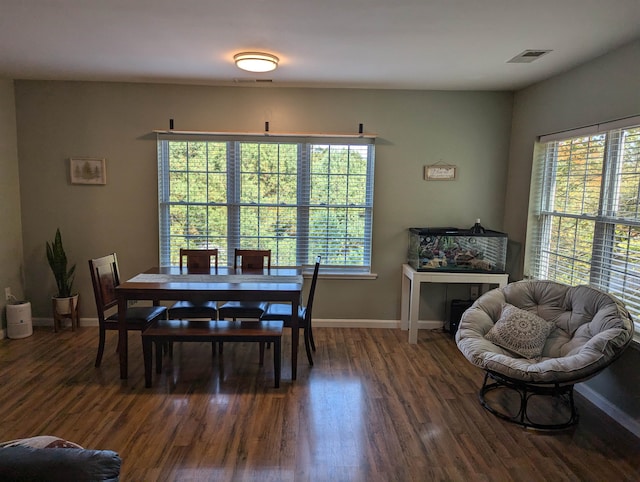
(591,328)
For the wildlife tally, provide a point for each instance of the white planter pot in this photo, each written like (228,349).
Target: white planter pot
(65,306)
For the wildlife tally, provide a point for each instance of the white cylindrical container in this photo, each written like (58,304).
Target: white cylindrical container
(19,324)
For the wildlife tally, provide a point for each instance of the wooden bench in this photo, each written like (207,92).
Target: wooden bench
(166,331)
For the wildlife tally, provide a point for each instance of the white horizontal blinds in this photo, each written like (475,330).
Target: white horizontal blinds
(618,249)
(340,204)
(267,199)
(572,207)
(298,198)
(587,215)
(163,205)
(193,201)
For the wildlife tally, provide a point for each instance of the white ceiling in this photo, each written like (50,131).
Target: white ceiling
(402,44)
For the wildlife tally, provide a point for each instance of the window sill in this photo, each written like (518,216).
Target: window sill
(343,274)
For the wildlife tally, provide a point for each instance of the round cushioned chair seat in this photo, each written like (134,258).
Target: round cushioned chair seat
(591,330)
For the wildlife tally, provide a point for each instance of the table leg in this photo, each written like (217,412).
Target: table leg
(414,310)
(123,340)
(404,302)
(277,360)
(295,337)
(147,354)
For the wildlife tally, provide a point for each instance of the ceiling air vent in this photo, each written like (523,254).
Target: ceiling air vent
(528,56)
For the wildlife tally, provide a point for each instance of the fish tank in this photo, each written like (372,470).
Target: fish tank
(457,250)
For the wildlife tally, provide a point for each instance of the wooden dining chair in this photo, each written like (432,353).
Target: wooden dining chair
(197,261)
(256,260)
(105,277)
(282,311)
(252,259)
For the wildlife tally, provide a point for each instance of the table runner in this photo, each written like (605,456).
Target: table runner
(218,278)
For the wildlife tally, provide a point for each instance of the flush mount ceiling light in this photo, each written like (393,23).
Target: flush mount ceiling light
(256,61)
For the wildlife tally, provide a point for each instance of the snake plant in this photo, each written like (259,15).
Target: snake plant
(58,262)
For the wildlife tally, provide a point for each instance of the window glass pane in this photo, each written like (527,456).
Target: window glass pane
(569,253)
(197,186)
(268,188)
(579,174)
(288,158)
(358,160)
(178,185)
(249,224)
(217,224)
(628,195)
(249,188)
(178,217)
(624,279)
(250,158)
(217,188)
(338,189)
(339,159)
(216,156)
(319,159)
(269,158)
(178,156)
(197,153)
(287,189)
(357,190)
(319,189)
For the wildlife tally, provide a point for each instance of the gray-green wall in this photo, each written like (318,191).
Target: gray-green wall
(59,120)
(10,226)
(605,89)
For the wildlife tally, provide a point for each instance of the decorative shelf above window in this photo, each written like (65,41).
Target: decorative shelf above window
(276,135)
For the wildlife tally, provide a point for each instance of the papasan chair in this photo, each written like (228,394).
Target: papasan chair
(541,338)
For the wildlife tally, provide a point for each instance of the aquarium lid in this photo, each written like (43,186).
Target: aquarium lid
(448,230)
(455,231)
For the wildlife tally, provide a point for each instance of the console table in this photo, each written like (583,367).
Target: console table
(412,280)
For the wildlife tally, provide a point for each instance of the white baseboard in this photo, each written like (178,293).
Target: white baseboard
(354,323)
(366,323)
(327,322)
(607,407)
(49,322)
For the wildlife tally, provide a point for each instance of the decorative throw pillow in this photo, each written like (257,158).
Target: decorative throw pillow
(41,442)
(520,331)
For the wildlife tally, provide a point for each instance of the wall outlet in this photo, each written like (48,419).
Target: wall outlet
(474,292)
(7,294)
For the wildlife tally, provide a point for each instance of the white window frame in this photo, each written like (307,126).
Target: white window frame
(603,267)
(233,204)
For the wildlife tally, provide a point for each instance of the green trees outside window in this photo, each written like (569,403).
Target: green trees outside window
(585,223)
(298,198)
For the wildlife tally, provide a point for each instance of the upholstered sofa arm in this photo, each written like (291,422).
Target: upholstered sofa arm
(58,464)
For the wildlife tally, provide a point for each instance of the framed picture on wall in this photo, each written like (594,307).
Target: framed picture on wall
(439,172)
(83,170)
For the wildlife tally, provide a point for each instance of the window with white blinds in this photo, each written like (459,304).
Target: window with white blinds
(300,197)
(585,223)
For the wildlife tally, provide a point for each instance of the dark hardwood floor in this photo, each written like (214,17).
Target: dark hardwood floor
(373,408)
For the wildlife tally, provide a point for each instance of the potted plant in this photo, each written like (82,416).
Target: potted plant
(65,303)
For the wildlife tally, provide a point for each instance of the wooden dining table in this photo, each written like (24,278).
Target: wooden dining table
(215,284)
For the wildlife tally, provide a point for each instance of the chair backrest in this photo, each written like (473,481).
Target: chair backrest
(252,259)
(312,288)
(105,278)
(198,260)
